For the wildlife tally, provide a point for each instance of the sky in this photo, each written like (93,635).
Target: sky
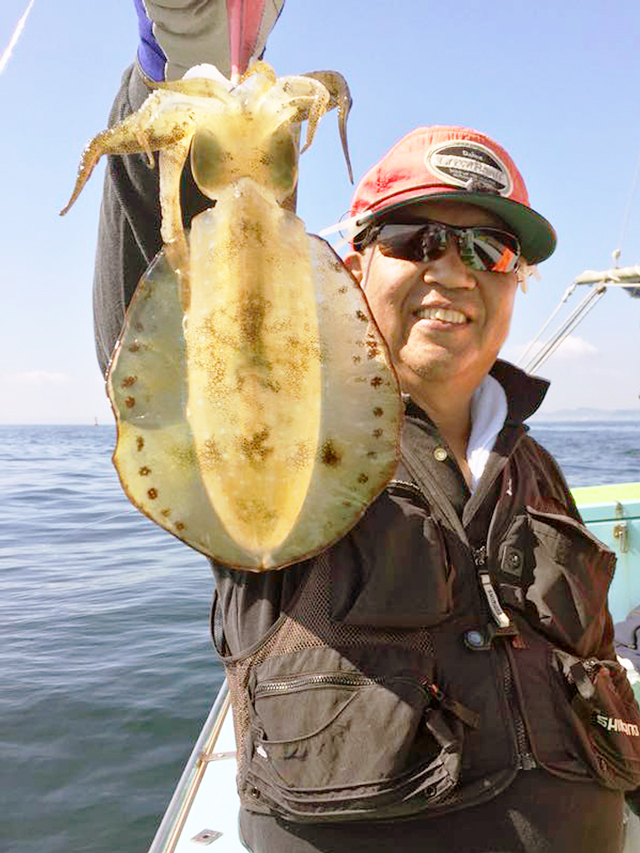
(555,83)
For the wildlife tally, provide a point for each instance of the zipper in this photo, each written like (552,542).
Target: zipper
(349,679)
(298,682)
(526,760)
(409,489)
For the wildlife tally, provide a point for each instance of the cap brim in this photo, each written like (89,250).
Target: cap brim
(536,235)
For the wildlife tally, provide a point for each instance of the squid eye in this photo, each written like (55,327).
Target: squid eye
(209,160)
(282,160)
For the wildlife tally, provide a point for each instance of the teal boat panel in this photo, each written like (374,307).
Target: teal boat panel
(612,513)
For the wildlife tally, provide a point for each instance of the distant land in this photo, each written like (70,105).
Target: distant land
(586,414)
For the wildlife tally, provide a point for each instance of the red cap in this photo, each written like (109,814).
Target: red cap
(455,163)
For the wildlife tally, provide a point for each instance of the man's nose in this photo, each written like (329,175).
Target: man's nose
(449,270)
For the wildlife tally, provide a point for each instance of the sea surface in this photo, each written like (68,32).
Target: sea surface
(106,668)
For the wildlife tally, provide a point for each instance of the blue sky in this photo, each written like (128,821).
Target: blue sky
(556,83)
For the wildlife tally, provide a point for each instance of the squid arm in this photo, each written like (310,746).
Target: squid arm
(171,165)
(340,97)
(153,127)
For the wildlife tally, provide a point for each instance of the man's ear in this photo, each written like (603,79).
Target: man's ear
(354,262)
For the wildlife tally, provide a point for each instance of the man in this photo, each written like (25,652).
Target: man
(470,571)
(435,681)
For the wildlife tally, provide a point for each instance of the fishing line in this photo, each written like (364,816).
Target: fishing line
(625,218)
(6,56)
(347,228)
(131,514)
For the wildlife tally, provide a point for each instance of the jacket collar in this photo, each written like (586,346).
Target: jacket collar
(525,393)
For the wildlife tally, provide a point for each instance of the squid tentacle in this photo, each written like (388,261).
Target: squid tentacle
(340,97)
(310,98)
(171,165)
(140,133)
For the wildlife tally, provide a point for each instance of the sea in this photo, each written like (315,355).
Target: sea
(106,668)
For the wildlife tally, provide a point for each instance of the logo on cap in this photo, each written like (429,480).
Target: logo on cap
(470,165)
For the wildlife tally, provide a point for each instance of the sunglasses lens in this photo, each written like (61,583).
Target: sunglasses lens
(492,250)
(413,242)
(481,248)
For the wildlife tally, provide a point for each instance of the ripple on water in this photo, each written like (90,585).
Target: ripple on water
(108,670)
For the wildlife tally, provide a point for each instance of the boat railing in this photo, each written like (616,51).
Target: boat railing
(598,282)
(168,833)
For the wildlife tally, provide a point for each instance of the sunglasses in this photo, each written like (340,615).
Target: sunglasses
(480,247)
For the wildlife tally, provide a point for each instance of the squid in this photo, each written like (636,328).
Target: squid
(257,411)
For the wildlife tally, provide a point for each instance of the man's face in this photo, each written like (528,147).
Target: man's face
(443,322)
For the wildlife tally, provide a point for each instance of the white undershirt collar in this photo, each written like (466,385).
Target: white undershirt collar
(488,414)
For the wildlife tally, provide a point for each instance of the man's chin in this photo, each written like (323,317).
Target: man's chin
(434,369)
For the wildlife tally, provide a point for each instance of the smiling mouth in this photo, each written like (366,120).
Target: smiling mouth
(445,315)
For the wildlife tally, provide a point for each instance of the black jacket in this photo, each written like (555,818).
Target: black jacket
(399,623)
